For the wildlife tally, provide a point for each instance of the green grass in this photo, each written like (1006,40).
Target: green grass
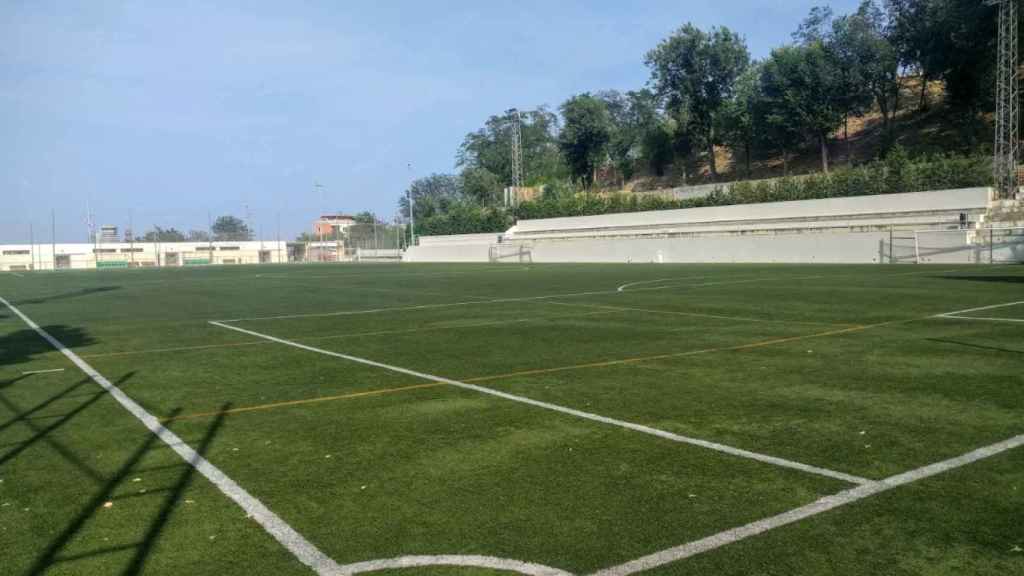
(839,367)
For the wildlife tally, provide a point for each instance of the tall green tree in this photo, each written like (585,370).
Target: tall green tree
(633,115)
(799,86)
(585,135)
(431,195)
(696,70)
(490,148)
(230,228)
(738,122)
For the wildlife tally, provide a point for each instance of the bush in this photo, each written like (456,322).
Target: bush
(897,173)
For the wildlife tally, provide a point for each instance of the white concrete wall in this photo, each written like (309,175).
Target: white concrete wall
(448,253)
(459,239)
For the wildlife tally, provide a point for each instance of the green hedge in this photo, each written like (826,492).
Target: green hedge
(897,173)
(465,218)
(893,175)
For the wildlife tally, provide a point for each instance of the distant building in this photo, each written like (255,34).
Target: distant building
(330,225)
(108,233)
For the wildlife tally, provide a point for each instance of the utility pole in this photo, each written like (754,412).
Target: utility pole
(53,237)
(412,218)
(1007,120)
(320,251)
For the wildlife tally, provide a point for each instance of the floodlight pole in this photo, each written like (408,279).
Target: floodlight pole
(412,217)
(53,237)
(32,245)
(1007,117)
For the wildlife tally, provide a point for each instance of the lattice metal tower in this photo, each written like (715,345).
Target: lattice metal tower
(517,147)
(1007,145)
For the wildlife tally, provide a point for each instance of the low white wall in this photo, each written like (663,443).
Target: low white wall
(448,253)
(458,239)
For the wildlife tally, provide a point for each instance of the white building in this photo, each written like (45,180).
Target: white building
(23,257)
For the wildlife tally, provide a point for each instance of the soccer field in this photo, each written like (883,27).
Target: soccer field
(513,419)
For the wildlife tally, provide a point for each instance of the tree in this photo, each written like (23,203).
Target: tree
(695,70)
(198,236)
(800,87)
(482,185)
(585,135)
(633,116)
(862,36)
(431,194)
(158,234)
(365,218)
(738,119)
(230,228)
(490,148)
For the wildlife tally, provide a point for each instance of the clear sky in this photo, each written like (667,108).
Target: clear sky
(161,112)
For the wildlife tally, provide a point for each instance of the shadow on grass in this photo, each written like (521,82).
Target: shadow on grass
(149,534)
(982,278)
(978,346)
(44,433)
(24,345)
(68,295)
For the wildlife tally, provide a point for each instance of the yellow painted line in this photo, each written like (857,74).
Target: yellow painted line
(752,345)
(306,401)
(682,354)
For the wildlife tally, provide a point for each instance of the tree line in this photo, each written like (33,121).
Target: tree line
(705,92)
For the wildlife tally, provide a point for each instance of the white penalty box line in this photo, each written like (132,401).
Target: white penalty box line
(739,452)
(959,314)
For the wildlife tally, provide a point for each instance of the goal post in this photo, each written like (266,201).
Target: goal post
(510,252)
(996,245)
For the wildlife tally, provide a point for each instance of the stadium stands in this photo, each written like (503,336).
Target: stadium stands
(880,228)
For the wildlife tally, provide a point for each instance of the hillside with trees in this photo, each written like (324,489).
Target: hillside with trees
(896,87)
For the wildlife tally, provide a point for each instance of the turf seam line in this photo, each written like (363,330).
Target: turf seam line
(739,452)
(819,506)
(698,315)
(547,296)
(349,335)
(294,542)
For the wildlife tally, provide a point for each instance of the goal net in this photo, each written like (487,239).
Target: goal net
(511,252)
(979,246)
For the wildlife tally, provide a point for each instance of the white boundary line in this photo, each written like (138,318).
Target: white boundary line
(822,505)
(294,542)
(956,315)
(983,319)
(452,560)
(571,411)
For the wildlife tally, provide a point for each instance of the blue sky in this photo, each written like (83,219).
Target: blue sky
(161,112)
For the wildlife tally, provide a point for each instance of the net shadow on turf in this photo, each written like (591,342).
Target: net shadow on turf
(149,535)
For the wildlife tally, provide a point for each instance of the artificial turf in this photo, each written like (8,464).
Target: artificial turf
(839,367)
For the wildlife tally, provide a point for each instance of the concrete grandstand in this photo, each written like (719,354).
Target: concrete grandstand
(947,226)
